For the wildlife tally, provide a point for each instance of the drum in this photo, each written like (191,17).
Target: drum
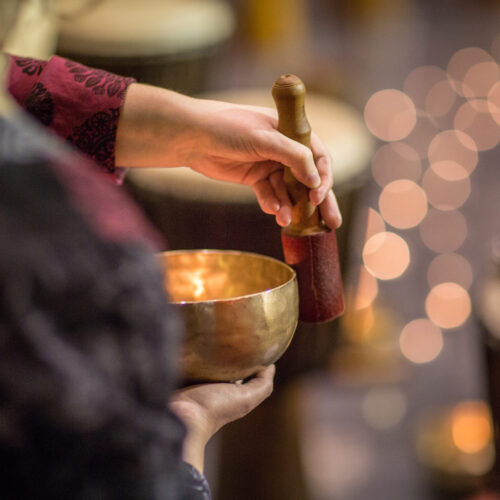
(35,31)
(164,43)
(196,212)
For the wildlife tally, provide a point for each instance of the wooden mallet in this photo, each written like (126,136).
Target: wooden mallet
(309,246)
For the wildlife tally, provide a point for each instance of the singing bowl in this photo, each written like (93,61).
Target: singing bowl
(240,311)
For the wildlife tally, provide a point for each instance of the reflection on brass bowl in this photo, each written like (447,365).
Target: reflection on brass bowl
(240,310)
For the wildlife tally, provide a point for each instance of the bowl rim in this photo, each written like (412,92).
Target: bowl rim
(233,252)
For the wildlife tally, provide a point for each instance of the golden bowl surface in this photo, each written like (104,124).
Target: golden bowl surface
(240,310)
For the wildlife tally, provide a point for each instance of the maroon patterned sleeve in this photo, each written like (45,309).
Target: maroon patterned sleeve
(80,104)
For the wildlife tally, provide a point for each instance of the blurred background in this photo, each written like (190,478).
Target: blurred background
(393,400)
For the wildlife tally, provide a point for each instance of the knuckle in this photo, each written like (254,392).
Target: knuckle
(306,156)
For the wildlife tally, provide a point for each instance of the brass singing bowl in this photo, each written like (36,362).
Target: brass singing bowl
(240,311)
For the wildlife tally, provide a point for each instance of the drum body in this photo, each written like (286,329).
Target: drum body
(168,44)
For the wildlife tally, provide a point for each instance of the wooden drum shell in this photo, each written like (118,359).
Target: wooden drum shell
(170,44)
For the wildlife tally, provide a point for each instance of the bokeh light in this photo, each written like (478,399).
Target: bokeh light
(403,204)
(495,48)
(326,447)
(384,407)
(390,115)
(430,90)
(471,426)
(480,79)
(457,442)
(420,80)
(494,102)
(450,267)
(359,323)
(423,133)
(450,170)
(395,160)
(366,291)
(461,63)
(440,99)
(443,232)
(386,255)
(448,305)
(446,194)
(374,223)
(421,341)
(475,119)
(453,146)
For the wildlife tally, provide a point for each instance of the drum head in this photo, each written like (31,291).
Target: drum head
(129,28)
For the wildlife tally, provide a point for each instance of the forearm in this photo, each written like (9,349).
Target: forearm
(156,128)
(229,142)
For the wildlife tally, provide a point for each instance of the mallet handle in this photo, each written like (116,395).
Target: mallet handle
(289,95)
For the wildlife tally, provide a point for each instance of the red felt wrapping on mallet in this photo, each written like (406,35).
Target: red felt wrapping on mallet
(316,262)
(308,245)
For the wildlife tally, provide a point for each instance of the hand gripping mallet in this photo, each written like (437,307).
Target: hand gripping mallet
(309,246)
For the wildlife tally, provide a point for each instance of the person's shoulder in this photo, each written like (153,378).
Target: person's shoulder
(23,141)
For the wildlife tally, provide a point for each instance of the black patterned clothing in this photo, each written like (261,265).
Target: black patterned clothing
(87,341)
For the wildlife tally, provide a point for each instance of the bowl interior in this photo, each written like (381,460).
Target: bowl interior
(213,275)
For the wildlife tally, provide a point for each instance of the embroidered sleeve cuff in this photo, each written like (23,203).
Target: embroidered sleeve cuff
(80,104)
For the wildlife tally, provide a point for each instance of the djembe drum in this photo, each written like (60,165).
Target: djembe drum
(159,42)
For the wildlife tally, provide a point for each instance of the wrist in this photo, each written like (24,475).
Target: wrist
(193,450)
(155,128)
(196,439)
(198,431)
(198,426)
